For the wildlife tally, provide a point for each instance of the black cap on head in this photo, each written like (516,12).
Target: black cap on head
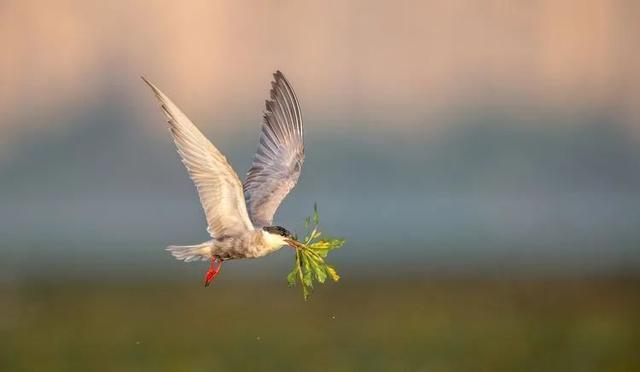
(278,230)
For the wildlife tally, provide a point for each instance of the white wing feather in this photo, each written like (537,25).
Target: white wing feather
(278,162)
(218,186)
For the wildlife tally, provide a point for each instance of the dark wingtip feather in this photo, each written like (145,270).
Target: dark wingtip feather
(153,87)
(147,82)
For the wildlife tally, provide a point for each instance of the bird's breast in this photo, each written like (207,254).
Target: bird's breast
(249,245)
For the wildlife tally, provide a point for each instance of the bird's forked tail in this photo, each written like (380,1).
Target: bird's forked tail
(188,253)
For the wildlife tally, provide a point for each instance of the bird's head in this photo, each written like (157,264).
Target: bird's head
(278,236)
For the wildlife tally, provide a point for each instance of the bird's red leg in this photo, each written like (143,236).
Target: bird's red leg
(214,269)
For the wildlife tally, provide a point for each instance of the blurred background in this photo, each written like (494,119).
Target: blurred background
(481,158)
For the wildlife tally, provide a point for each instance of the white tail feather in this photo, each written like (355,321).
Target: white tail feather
(188,253)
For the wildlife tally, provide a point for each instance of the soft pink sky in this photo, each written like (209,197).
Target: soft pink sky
(390,62)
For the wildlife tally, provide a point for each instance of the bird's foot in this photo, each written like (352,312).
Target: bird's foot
(214,269)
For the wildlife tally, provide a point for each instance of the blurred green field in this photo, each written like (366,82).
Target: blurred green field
(423,325)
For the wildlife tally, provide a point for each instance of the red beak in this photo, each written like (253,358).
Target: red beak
(294,243)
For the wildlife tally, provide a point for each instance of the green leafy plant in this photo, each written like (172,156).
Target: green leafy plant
(311,253)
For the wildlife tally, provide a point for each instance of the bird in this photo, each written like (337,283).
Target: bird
(240,215)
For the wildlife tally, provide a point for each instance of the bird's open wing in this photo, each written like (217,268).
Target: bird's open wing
(219,188)
(278,161)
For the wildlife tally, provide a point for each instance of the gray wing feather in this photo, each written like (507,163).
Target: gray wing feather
(278,162)
(218,186)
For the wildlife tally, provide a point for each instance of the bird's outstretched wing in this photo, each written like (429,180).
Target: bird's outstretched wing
(219,188)
(278,161)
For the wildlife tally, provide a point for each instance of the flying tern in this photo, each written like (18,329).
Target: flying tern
(240,215)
